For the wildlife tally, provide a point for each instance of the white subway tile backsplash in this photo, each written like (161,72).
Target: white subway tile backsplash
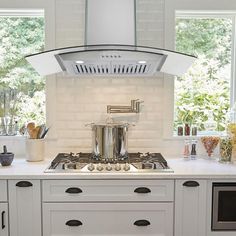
(141,134)
(70,108)
(95,108)
(65,98)
(143,143)
(74,143)
(84,100)
(66,116)
(75,134)
(71,125)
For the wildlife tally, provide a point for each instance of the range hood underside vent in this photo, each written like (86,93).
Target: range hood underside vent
(112,69)
(112,62)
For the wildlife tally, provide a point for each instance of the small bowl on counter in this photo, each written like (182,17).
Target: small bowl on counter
(6,158)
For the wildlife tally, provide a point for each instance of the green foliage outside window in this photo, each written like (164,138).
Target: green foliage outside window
(206,86)
(22,95)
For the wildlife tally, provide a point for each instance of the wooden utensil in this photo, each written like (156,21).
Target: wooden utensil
(34,132)
(30,127)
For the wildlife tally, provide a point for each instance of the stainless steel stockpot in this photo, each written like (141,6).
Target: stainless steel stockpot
(109,140)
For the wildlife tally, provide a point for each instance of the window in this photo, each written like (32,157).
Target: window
(22,90)
(207,88)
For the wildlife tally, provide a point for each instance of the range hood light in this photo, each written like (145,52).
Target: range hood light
(142,62)
(80,62)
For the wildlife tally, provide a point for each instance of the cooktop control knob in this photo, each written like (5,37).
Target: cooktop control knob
(99,167)
(91,167)
(109,167)
(126,167)
(117,167)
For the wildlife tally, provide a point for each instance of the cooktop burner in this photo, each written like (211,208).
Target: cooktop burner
(87,162)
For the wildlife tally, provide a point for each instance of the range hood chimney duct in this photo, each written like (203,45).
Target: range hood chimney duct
(110,47)
(110,22)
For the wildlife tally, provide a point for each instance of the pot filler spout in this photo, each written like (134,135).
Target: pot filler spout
(110,47)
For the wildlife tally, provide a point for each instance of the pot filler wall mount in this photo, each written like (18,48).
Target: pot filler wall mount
(110,47)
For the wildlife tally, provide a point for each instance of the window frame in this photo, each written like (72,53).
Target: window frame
(209,7)
(8,12)
(50,42)
(229,15)
(24,13)
(214,15)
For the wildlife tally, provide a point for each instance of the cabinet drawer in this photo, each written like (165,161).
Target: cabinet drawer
(107,190)
(108,219)
(3,192)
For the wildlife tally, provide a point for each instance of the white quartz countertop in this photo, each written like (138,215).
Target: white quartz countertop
(200,168)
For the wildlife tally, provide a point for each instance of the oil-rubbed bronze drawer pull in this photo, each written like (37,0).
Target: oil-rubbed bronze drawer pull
(142,223)
(3,224)
(142,190)
(74,223)
(191,184)
(73,190)
(24,184)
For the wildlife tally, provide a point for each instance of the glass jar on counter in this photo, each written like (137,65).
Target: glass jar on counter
(186,129)
(210,124)
(180,130)
(231,129)
(226,148)
(194,130)
(186,152)
(210,143)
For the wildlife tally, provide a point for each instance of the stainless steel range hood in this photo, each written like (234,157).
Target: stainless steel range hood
(110,47)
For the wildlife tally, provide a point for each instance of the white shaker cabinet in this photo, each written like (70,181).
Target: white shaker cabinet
(24,207)
(3,209)
(190,207)
(108,207)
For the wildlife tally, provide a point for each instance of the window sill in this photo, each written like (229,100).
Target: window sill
(197,137)
(7,137)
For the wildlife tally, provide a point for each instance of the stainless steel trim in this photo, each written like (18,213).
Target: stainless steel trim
(220,225)
(86,22)
(86,171)
(133,108)
(135,22)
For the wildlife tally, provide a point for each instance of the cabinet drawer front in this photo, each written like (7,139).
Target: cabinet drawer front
(3,192)
(108,219)
(107,190)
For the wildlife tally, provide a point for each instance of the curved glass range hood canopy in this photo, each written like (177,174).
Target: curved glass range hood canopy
(110,47)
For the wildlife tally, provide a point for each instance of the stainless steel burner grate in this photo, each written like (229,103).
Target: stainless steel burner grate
(86,162)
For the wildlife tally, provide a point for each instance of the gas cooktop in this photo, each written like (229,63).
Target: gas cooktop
(87,162)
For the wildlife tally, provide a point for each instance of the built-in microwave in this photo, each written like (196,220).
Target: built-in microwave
(223,216)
